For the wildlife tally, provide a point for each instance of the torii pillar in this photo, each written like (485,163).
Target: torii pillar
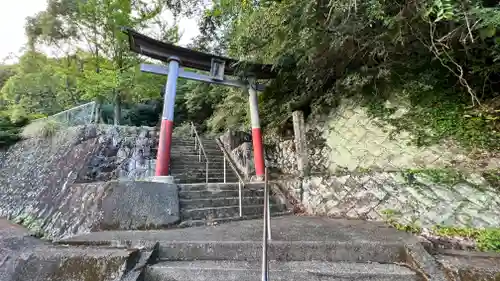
(258,149)
(167,122)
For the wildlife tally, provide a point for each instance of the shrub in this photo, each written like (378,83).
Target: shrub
(489,240)
(9,130)
(42,128)
(183,130)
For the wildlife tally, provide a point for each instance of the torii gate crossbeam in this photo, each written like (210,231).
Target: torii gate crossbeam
(219,67)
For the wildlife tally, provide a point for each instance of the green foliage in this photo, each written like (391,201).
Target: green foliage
(183,130)
(6,71)
(493,177)
(31,223)
(444,176)
(436,54)
(487,239)
(435,114)
(106,70)
(10,130)
(230,113)
(391,217)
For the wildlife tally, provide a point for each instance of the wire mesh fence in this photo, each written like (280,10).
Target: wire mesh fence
(79,115)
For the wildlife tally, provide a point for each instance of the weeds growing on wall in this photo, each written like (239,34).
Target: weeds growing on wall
(435,114)
(443,176)
(487,239)
(493,178)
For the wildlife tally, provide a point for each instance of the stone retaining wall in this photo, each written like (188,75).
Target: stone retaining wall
(56,186)
(410,199)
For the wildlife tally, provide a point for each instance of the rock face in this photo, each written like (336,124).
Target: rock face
(239,146)
(56,186)
(122,152)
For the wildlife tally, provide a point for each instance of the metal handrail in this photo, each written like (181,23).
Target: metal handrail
(197,140)
(241,182)
(266,233)
(226,155)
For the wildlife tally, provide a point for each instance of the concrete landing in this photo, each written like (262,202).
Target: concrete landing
(302,248)
(279,271)
(289,228)
(293,239)
(23,257)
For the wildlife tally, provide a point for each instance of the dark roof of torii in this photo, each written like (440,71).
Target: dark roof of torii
(155,49)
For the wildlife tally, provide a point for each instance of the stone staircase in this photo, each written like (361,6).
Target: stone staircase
(302,248)
(215,203)
(187,166)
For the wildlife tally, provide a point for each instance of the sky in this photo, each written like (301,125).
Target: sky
(12,16)
(14,12)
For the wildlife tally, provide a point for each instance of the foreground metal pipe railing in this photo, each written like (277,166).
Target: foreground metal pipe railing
(241,182)
(198,145)
(266,234)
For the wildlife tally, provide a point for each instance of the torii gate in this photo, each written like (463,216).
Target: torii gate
(218,67)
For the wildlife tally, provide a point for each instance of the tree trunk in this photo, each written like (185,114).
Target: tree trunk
(97,113)
(117,108)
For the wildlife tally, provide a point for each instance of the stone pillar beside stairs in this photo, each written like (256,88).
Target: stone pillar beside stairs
(299,129)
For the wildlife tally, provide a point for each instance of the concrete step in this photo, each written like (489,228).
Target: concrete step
(202,178)
(220,202)
(195,164)
(296,250)
(219,194)
(190,147)
(186,179)
(198,170)
(279,271)
(212,177)
(196,167)
(230,186)
(225,212)
(190,143)
(218,221)
(183,180)
(194,158)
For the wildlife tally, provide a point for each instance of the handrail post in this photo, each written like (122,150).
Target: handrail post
(206,170)
(268,218)
(265,265)
(268,213)
(224,168)
(240,195)
(198,145)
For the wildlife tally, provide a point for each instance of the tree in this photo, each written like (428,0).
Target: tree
(97,24)
(36,86)
(326,50)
